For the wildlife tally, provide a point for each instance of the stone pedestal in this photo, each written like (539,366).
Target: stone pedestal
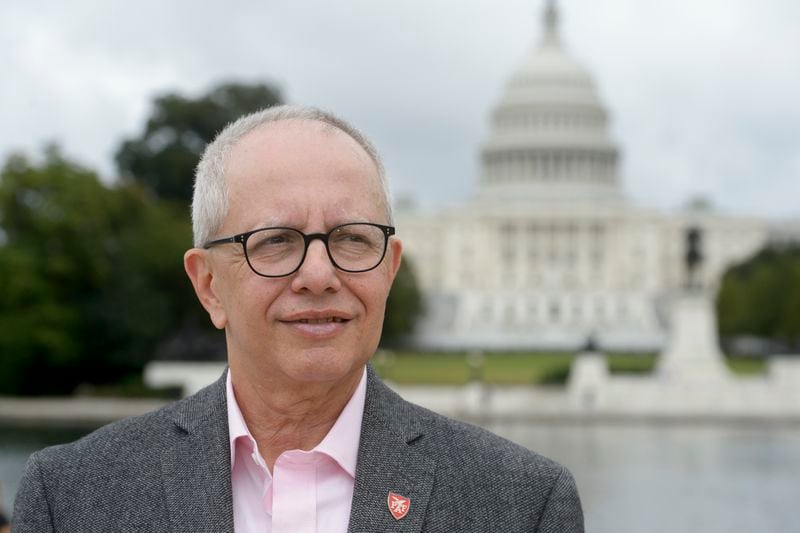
(693,354)
(588,380)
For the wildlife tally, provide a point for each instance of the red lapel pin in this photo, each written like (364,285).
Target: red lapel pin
(398,505)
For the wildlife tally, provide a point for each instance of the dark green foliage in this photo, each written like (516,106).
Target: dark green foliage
(91,276)
(164,156)
(761,297)
(403,307)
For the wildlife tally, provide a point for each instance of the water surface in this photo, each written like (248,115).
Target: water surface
(632,478)
(688,478)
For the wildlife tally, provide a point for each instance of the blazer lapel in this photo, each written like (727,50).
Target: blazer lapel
(387,462)
(196,464)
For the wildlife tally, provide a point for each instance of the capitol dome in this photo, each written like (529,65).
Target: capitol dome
(550,138)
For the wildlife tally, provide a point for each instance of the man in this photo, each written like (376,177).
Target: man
(294,257)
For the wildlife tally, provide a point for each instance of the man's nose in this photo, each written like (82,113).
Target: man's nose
(317,274)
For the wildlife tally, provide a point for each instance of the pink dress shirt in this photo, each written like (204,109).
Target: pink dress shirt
(307,491)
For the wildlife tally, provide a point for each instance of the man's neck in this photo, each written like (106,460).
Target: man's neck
(290,417)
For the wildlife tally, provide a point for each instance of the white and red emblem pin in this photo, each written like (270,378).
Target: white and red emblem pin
(398,505)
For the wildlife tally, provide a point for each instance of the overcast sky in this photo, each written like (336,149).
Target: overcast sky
(703,95)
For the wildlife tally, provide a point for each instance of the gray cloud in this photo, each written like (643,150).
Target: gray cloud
(703,95)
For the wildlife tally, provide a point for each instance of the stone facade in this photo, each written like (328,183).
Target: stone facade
(549,253)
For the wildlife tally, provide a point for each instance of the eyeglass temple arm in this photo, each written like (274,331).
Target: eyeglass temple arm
(209,244)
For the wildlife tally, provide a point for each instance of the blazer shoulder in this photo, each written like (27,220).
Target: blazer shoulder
(130,437)
(116,473)
(450,442)
(466,443)
(518,487)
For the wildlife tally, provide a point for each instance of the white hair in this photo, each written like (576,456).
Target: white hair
(210,198)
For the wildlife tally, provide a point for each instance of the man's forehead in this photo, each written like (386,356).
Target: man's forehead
(291,161)
(291,131)
(289,146)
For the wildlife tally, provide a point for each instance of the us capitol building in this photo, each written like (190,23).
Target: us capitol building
(549,253)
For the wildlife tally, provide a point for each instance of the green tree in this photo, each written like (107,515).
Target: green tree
(91,276)
(761,297)
(164,156)
(403,307)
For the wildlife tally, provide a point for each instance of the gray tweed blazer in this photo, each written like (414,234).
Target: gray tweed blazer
(170,471)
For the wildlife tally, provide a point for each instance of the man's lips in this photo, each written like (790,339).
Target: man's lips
(323,323)
(320,320)
(317,317)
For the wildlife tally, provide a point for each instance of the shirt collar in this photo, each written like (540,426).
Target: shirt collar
(341,442)
(237,427)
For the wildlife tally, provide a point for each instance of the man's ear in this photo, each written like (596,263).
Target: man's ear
(199,268)
(395,256)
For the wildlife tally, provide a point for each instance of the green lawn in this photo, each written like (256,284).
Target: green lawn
(502,368)
(747,366)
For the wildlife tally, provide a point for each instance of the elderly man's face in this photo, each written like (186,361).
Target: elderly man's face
(308,176)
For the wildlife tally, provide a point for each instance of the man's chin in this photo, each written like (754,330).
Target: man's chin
(325,365)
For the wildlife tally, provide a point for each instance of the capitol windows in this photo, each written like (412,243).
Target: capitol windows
(554,311)
(537,165)
(532,242)
(622,309)
(531,311)
(599,310)
(559,166)
(571,245)
(466,251)
(509,316)
(530,161)
(597,235)
(521,166)
(577,311)
(572,166)
(508,230)
(571,312)
(497,167)
(597,258)
(586,165)
(512,166)
(600,165)
(607,165)
(571,257)
(467,263)
(485,312)
(533,253)
(508,243)
(546,166)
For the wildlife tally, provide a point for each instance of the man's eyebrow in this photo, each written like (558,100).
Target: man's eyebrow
(273,222)
(279,222)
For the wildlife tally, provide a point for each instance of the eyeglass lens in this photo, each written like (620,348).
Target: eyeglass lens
(280,251)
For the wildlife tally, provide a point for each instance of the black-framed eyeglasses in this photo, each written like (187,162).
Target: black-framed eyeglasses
(279,252)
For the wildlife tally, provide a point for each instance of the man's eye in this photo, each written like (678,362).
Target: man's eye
(272,242)
(275,239)
(353,238)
